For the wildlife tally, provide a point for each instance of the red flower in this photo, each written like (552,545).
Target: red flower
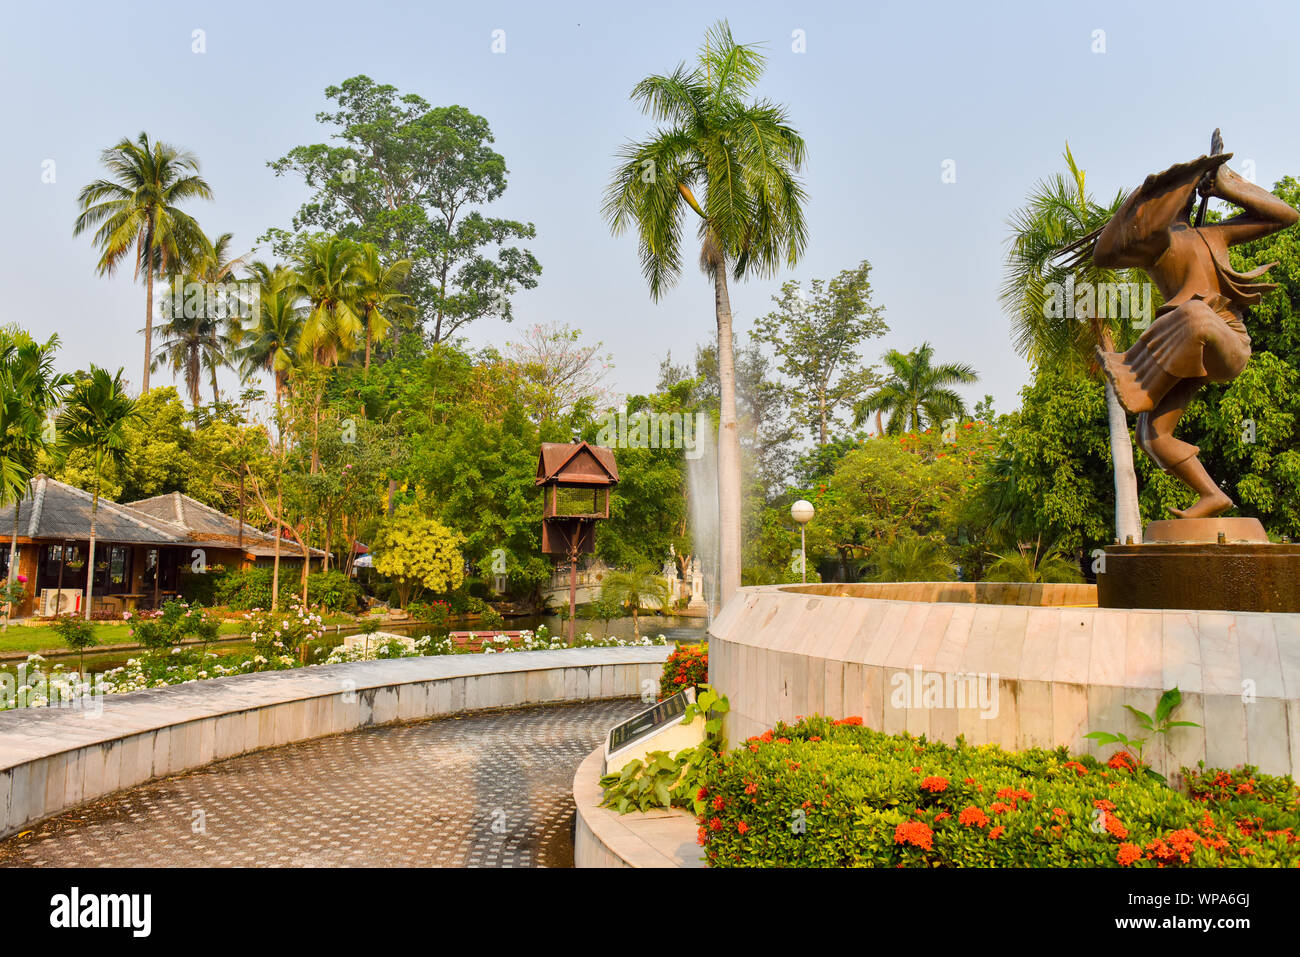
(997,832)
(742,827)
(715,824)
(702,836)
(701,794)
(916,833)
(719,803)
(1122,761)
(750,787)
(1078,768)
(1114,827)
(935,784)
(852,720)
(1128,853)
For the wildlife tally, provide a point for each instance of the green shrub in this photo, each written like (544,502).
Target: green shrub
(245,589)
(76,633)
(333,590)
(834,794)
(491,619)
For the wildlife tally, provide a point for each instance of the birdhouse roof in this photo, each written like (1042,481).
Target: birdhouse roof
(561,463)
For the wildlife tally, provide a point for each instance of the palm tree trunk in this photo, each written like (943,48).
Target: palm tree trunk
(90,559)
(1128,520)
(728,444)
(148,324)
(275,567)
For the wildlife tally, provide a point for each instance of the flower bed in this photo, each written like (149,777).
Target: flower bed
(687,667)
(820,793)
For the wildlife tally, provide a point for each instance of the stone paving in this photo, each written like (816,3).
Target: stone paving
(479,790)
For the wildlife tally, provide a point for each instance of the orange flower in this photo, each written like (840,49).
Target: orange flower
(702,836)
(914,832)
(750,787)
(1115,827)
(1122,761)
(742,827)
(997,807)
(1078,768)
(715,824)
(935,784)
(1128,853)
(1104,804)
(854,720)
(997,832)
(972,817)
(719,803)
(941,816)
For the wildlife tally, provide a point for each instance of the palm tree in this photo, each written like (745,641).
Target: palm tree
(911,558)
(379,296)
(29,390)
(269,342)
(210,263)
(1030,562)
(139,207)
(94,420)
(330,279)
(1060,217)
(743,157)
(916,395)
(634,588)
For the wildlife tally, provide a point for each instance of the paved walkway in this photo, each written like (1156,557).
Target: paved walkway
(485,790)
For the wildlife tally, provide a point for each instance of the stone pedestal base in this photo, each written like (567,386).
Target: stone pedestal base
(1207,577)
(1206,530)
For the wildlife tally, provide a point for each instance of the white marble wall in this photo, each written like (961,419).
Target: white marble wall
(54,759)
(1060,672)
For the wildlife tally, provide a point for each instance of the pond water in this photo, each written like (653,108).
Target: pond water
(670,626)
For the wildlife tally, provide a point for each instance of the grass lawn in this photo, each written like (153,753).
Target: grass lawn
(43,638)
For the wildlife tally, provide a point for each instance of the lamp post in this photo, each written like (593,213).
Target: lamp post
(802,512)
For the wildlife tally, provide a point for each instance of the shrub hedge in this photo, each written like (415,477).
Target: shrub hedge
(686,667)
(822,793)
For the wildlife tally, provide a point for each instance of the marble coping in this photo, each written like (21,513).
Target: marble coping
(52,759)
(664,837)
(1014,674)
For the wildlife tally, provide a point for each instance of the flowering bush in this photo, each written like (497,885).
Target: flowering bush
(392,648)
(822,793)
(543,640)
(283,633)
(687,667)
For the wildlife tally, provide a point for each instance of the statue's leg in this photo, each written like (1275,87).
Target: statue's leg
(1180,459)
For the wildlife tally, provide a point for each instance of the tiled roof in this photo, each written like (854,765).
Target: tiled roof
(56,510)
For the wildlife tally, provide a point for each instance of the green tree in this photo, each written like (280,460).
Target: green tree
(635,588)
(1059,216)
(1032,562)
(94,419)
(269,342)
(412,179)
(140,207)
(917,393)
(30,389)
(380,299)
(816,336)
(418,552)
(744,157)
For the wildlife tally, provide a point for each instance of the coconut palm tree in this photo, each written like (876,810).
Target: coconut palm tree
(635,588)
(732,162)
(380,296)
(270,339)
(1060,216)
(917,393)
(330,280)
(206,343)
(94,419)
(138,209)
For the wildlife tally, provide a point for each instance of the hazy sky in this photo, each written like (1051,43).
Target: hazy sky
(884,94)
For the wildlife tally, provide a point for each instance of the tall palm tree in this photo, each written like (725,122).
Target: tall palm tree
(94,420)
(1060,216)
(635,588)
(210,262)
(917,393)
(733,163)
(380,294)
(29,390)
(138,208)
(269,340)
(330,279)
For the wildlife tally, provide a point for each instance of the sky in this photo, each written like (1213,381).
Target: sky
(888,96)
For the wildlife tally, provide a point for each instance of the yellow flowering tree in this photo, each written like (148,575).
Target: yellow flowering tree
(418,552)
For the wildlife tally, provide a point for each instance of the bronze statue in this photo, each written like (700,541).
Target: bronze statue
(1198,335)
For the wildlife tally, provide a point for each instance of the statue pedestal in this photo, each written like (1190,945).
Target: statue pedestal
(1181,564)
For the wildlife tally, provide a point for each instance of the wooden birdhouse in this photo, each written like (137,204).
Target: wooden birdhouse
(576,480)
